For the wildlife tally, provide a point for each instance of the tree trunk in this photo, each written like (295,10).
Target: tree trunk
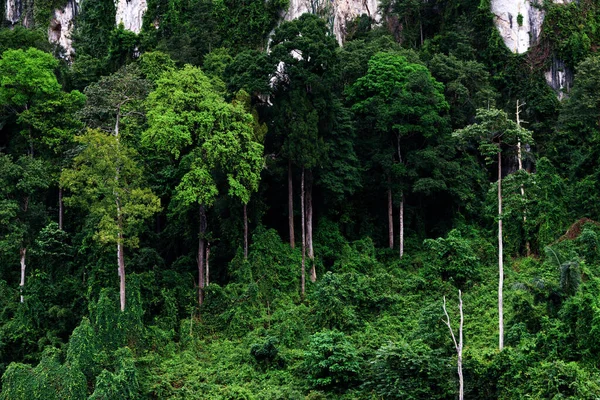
(303,275)
(309,228)
(207,281)
(520,159)
(402,226)
(121,270)
(390,214)
(461,392)
(201,254)
(500,250)
(457,345)
(60,208)
(120,255)
(291,205)
(245,231)
(23,253)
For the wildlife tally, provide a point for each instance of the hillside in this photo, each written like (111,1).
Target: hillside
(275,200)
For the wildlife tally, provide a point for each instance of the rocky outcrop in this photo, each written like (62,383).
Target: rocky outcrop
(560,78)
(61,27)
(337,12)
(519,22)
(16,11)
(13,8)
(131,14)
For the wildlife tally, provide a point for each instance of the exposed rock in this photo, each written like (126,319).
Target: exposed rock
(519,22)
(17,11)
(61,27)
(13,8)
(560,78)
(131,14)
(519,37)
(337,12)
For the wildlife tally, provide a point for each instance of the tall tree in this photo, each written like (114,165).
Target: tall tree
(106,181)
(189,119)
(40,114)
(493,131)
(402,106)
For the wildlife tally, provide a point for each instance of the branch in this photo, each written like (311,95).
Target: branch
(447,322)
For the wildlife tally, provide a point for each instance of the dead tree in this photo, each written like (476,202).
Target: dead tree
(459,345)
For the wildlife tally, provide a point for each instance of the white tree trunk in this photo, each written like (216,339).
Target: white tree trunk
(402,226)
(309,229)
(520,159)
(23,253)
(457,345)
(390,215)
(291,205)
(121,271)
(500,254)
(302,211)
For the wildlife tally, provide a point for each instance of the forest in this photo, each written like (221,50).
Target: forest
(230,205)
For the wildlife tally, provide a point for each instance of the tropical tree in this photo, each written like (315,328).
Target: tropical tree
(401,105)
(493,131)
(188,119)
(106,181)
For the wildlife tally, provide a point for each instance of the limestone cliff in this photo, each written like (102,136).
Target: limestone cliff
(61,26)
(131,14)
(338,12)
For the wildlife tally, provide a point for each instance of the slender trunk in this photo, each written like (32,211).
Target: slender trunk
(121,270)
(207,282)
(402,226)
(401,203)
(60,208)
(201,254)
(500,263)
(390,215)
(457,345)
(309,228)
(245,231)
(291,205)
(461,392)
(120,256)
(23,253)
(520,159)
(303,276)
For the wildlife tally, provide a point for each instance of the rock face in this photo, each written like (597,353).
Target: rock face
(13,8)
(131,14)
(519,22)
(17,11)
(560,78)
(337,12)
(61,27)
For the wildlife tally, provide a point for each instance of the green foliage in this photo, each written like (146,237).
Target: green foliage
(331,361)
(106,181)
(457,258)
(49,380)
(410,370)
(123,383)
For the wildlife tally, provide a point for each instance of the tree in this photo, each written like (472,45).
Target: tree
(43,117)
(493,131)
(457,345)
(304,61)
(398,100)
(188,119)
(22,216)
(106,181)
